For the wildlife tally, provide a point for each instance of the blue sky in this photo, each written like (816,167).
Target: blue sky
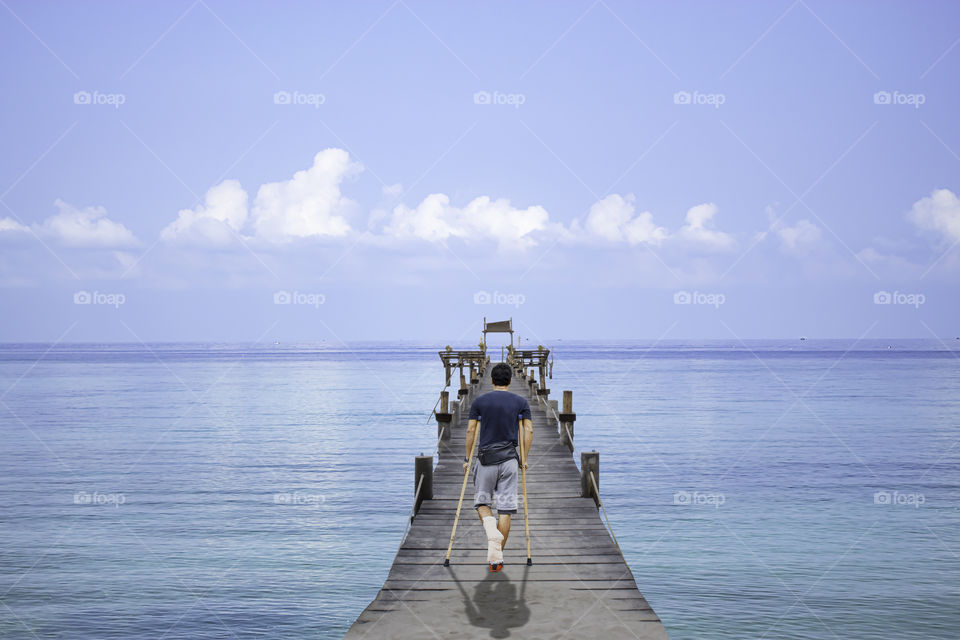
(303,171)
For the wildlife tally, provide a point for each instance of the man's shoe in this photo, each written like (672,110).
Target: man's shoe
(496,566)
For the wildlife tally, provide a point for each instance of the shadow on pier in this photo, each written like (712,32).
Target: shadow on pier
(495,603)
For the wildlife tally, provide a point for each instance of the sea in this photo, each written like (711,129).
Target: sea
(758,489)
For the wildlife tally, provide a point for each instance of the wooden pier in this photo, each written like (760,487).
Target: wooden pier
(579,585)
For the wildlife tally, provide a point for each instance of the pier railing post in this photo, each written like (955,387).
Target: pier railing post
(589,461)
(444,417)
(463,385)
(422,467)
(542,392)
(567,418)
(551,415)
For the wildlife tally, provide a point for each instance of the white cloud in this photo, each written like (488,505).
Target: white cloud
(435,219)
(612,219)
(698,229)
(310,203)
(502,222)
(88,227)
(431,220)
(797,239)
(217,221)
(9,224)
(940,212)
(800,236)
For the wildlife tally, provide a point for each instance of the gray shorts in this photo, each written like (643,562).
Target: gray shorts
(499,482)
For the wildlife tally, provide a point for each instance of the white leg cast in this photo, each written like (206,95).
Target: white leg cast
(494,540)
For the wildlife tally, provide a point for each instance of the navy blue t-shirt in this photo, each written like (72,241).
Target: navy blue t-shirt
(499,413)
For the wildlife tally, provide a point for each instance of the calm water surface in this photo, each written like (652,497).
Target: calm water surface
(773,489)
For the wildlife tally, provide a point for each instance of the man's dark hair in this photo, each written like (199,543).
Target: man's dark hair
(500,374)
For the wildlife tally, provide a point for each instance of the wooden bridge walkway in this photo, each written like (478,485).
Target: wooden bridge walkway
(579,585)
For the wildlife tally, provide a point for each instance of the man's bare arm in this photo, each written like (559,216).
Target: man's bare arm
(471,436)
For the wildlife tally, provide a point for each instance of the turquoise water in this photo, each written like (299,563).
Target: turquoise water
(767,490)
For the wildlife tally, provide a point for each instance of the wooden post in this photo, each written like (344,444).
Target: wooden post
(567,418)
(444,417)
(551,415)
(446,371)
(589,461)
(423,466)
(463,384)
(542,391)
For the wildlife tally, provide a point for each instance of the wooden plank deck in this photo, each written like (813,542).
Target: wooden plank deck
(578,587)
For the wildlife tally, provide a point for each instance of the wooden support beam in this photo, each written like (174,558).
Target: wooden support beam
(567,418)
(589,461)
(422,466)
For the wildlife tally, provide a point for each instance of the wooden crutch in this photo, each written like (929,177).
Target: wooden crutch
(466,474)
(523,473)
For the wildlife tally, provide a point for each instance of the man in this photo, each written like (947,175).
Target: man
(501,413)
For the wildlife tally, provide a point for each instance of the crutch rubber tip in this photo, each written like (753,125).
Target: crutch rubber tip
(446,562)
(529,562)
